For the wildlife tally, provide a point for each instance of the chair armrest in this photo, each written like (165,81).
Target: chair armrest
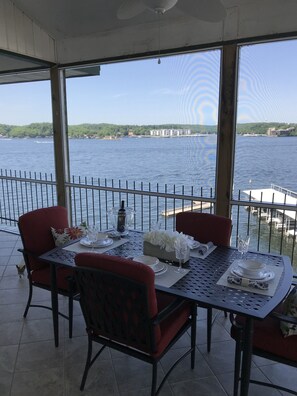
(284,318)
(28,253)
(162,315)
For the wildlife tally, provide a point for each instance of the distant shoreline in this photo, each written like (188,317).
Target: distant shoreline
(113,131)
(141,137)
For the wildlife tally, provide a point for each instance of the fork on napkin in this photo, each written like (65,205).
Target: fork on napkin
(255,284)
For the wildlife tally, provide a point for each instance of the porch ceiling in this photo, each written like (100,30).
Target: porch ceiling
(89,30)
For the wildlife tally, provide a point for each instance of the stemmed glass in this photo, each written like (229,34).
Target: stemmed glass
(243,245)
(92,235)
(181,253)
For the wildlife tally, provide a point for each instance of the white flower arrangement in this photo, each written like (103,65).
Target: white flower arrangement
(166,239)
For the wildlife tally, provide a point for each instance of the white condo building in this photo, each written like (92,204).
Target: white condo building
(170,132)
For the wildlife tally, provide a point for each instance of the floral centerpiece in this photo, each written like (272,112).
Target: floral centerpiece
(160,243)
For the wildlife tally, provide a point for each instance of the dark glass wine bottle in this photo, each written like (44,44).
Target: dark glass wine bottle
(121,218)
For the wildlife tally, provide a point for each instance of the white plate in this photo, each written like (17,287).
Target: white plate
(163,270)
(158,268)
(148,260)
(153,262)
(266,275)
(99,244)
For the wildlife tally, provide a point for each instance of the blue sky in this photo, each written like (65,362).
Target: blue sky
(182,89)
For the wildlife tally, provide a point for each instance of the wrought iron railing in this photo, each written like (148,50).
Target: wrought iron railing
(91,199)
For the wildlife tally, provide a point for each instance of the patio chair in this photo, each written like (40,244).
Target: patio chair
(268,342)
(36,235)
(205,227)
(123,311)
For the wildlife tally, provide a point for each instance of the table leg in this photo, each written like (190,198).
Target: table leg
(246,357)
(55,303)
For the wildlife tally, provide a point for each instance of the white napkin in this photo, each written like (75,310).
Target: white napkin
(255,284)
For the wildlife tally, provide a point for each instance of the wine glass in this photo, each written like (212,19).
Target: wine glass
(181,253)
(92,235)
(243,245)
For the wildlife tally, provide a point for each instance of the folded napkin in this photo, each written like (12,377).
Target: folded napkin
(255,284)
(204,248)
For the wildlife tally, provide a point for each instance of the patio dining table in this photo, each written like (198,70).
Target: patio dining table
(202,285)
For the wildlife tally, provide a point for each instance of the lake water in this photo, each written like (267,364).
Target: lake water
(188,161)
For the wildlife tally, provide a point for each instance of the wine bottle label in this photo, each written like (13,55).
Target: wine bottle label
(121,221)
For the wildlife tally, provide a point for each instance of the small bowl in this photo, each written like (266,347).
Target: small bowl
(101,236)
(147,260)
(251,267)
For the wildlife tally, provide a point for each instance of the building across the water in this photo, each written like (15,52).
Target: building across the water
(280,132)
(170,132)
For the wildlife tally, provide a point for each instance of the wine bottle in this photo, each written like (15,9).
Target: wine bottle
(121,218)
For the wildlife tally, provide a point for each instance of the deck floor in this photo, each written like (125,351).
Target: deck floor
(30,364)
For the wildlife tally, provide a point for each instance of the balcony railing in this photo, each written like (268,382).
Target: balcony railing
(267,223)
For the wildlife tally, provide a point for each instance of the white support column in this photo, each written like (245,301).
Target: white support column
(60,129)
(226,129)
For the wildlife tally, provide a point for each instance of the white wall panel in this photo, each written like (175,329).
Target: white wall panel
(20,34)
(28,36)
(10,26)
(19,29)
(43,44)
(3,35)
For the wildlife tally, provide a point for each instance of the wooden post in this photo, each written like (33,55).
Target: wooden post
(60,128)
(226,129)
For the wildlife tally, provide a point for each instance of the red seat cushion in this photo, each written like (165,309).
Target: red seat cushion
(43,277)
(171,325)
(268,337)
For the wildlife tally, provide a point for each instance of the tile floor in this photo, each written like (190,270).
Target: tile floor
(30,364)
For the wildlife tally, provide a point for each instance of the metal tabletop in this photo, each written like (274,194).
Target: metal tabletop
(200,284)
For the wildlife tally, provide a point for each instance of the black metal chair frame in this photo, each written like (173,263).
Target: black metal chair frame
(70,294)
(261,353)
(83,277)
(212,318)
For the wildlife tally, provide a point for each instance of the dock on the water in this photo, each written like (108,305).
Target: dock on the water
(282,219)
(196,206)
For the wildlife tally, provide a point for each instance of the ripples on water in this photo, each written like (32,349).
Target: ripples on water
(188,161)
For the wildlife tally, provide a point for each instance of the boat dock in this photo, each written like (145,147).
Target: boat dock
(283,220)
(196,206)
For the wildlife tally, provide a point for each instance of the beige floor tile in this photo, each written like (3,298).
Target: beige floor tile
(30,364)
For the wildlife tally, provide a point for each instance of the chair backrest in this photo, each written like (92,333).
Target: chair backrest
(35,231)
(118,299)
(205,227)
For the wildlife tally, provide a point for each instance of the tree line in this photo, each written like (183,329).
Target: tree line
(100,131)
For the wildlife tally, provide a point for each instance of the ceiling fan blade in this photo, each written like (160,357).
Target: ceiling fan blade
(130,8)
(205,10)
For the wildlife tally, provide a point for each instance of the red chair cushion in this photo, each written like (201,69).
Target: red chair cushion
(43,277)
(268,338)
(35,228)
(171,325)
(205,227)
